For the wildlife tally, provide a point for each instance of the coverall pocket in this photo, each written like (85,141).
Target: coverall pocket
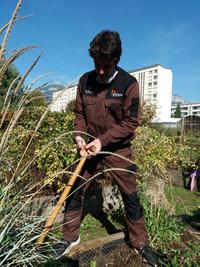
(114,111)
(90,107)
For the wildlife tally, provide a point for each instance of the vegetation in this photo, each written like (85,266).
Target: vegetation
(177,113)
(70,106)
(91,228)
(37,149)
(187,205)
(19,230)
(8,83)
(36,99)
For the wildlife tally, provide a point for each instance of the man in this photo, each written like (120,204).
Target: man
(107,108)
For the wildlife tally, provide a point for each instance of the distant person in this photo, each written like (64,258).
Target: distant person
(194,177)
(107,107)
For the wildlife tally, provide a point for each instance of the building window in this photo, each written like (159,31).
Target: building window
(154,95)
(149,84)
(155,77)
(155,71)
(154,83)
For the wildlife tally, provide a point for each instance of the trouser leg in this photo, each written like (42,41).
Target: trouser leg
(73,206)
(126,182)
(135,219)
(72,215)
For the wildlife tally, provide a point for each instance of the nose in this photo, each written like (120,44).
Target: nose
(101,71)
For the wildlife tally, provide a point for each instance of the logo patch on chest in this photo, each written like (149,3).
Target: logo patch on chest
(89,91)
(114,93)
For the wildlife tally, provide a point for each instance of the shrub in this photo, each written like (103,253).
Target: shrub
(18,232)
(50,149)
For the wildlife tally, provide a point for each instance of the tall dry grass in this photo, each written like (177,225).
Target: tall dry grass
(18,231)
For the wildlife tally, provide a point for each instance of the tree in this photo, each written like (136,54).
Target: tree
(148,112)
(6,80)
(36,99)
(177,113)
(70,106)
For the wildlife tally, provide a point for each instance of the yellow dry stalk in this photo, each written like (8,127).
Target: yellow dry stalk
(7,101)
(9,129)
(9,28)
(26,74)
(16,19)
(15,54)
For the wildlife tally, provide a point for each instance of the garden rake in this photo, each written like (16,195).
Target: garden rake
(60,202)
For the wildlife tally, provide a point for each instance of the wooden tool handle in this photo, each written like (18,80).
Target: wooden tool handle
(60,202)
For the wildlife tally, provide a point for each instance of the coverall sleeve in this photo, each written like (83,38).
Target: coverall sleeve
(80,120)
(124,132)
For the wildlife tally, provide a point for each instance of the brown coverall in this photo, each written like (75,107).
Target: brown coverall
(109,112)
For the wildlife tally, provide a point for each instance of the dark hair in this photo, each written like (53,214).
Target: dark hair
(106,44)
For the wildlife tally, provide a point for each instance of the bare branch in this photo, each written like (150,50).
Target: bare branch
(17,18)
(9,28)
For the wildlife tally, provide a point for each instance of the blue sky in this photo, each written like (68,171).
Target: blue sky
(152,32)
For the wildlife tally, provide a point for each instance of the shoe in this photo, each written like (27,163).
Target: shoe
(149,256)
(62,248)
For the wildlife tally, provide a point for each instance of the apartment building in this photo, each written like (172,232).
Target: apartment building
(61,98)
(155,83)
(187,109)
(177,99)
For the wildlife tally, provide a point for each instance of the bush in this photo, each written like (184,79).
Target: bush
(18,232)
(155,152)
(50,149)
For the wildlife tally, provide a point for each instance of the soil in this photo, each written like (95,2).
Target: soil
(118,257)
(120,254)
(123,255)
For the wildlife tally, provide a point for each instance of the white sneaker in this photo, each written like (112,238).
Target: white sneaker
(65,246)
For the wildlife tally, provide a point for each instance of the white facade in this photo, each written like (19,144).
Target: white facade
(155,83)
(60,99)
(176,99)
(187,109)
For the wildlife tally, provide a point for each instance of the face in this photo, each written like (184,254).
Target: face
(104,67)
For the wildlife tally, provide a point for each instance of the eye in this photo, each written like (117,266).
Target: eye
(97,65)
(106,66)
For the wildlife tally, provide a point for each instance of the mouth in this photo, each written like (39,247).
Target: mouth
(102,77)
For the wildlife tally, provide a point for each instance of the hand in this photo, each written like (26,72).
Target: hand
(94,147)
(80,144)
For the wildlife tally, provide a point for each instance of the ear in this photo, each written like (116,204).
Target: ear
(116,60)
